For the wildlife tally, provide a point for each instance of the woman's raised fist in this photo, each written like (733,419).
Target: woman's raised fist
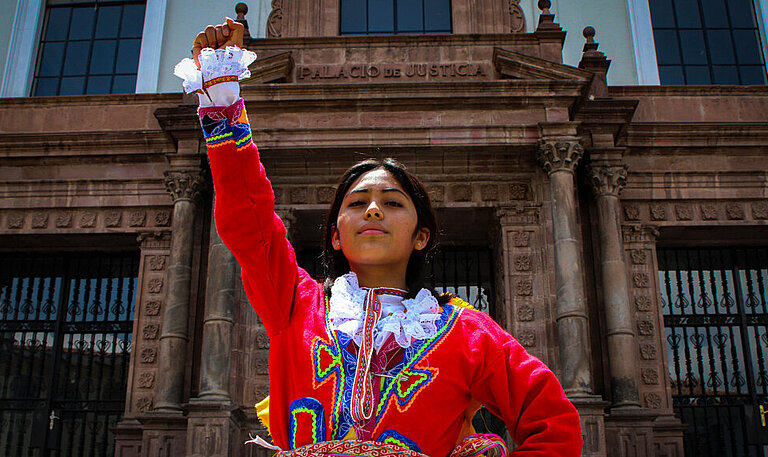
(218,36)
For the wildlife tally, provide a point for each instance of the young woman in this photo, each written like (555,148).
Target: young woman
(371,363)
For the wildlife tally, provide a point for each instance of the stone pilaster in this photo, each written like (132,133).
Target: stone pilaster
(184,185)
(607,182)
(559,156)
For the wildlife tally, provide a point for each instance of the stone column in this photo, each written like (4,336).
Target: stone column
(607,182)
(559,156)
(184,185)
(219,321)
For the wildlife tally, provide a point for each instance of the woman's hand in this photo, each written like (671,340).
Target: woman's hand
(218,36)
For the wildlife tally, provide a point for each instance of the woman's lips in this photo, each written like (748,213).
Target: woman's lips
(372,232)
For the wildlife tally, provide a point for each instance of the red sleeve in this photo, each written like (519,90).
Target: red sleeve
(521,390)
(245,216)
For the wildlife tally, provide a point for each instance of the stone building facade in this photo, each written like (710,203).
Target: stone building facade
(573,186)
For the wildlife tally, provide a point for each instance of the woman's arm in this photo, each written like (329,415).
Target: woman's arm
(244,201)
(521,390)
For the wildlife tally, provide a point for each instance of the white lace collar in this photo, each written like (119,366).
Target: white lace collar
(409,319)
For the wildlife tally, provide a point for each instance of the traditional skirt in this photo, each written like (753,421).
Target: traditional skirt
(471,446)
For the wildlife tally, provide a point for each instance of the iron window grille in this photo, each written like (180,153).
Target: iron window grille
(716,319)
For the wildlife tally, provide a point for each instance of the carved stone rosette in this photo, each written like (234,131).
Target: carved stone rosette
(184,185)
(608,180)
(559,156)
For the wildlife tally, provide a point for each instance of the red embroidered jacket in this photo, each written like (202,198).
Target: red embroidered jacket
(439,383)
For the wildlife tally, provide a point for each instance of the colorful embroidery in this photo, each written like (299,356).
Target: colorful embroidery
(408,378)
(392,437)
(306,424)
(351,448)
(481,443)
(219,80)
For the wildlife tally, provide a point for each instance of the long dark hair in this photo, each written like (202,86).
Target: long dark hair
(334,262)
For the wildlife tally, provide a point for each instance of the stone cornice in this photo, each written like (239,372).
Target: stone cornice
(346,41)
(67,146)
(517,65)
(698,135)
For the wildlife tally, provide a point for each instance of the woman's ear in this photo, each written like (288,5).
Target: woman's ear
(335,239)
(422,239)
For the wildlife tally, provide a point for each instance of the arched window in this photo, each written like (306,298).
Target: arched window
(373,17)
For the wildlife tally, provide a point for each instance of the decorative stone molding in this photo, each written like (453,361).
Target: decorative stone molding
(631,213)
(15,221)
(261,363)
(148,355)
(325,194)
(525,313)
(157,262)
(137,218)
(653,400)
(709,212)
(262,340)
(650,376)
(520,214)
(527,338)
(684,212)
(518,192)
(524,287)
(154,240)
(155,285)
(112,218)
(521,239)
(645,328)
(516,17)
(162,218)
(299,195)
(638,256)
(607,180)
(275,20)
(643,303)
(760,210)
(658,212)
(39,220)
(461,192)
(436,193)
(489,192)
(559,156)
(641,280)
(150,332)
(523,262)
(734,211)
(637,233)
(146,380)
(648,351)
(63,220)
(144,404)
(184,185)
(152,308)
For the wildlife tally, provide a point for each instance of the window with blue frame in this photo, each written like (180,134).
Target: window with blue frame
(707,42)
(387,17)
(89,48)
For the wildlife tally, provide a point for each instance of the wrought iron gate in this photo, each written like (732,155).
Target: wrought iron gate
(66,324)
(716,318)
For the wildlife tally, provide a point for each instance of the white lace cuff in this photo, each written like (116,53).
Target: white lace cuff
(218,76)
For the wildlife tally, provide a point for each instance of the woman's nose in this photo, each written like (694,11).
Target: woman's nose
(373,213)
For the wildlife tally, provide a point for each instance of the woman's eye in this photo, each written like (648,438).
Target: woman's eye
(355,203)
(395,204)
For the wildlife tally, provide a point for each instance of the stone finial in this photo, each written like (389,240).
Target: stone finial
(544,6)
(241,9)
(546,18)
(590,47)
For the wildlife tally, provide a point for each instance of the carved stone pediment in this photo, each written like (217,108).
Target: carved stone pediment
(515,65)
(271,69)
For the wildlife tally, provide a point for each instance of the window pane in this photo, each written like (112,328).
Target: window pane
(125,84)
(725,74)
(381,16)
(437,15)
(720,47)
(103,57)
(667,48)
(47,86)
(748,47)
(133,21)
(715,14)
(410,16)
(77,57)
(127,56)
(82,23)
(752,74)
(98,84)
(742,13)
(50,59)
(108,22)
(72,86)
(58,24)
(697,75)
(671,75)
(352,16)
(687,14)
(661,13)
(692,43)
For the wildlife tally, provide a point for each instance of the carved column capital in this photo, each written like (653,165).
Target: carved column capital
(607,180)
(559,155)
(184,184)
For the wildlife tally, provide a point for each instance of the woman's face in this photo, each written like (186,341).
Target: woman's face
(376,225)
